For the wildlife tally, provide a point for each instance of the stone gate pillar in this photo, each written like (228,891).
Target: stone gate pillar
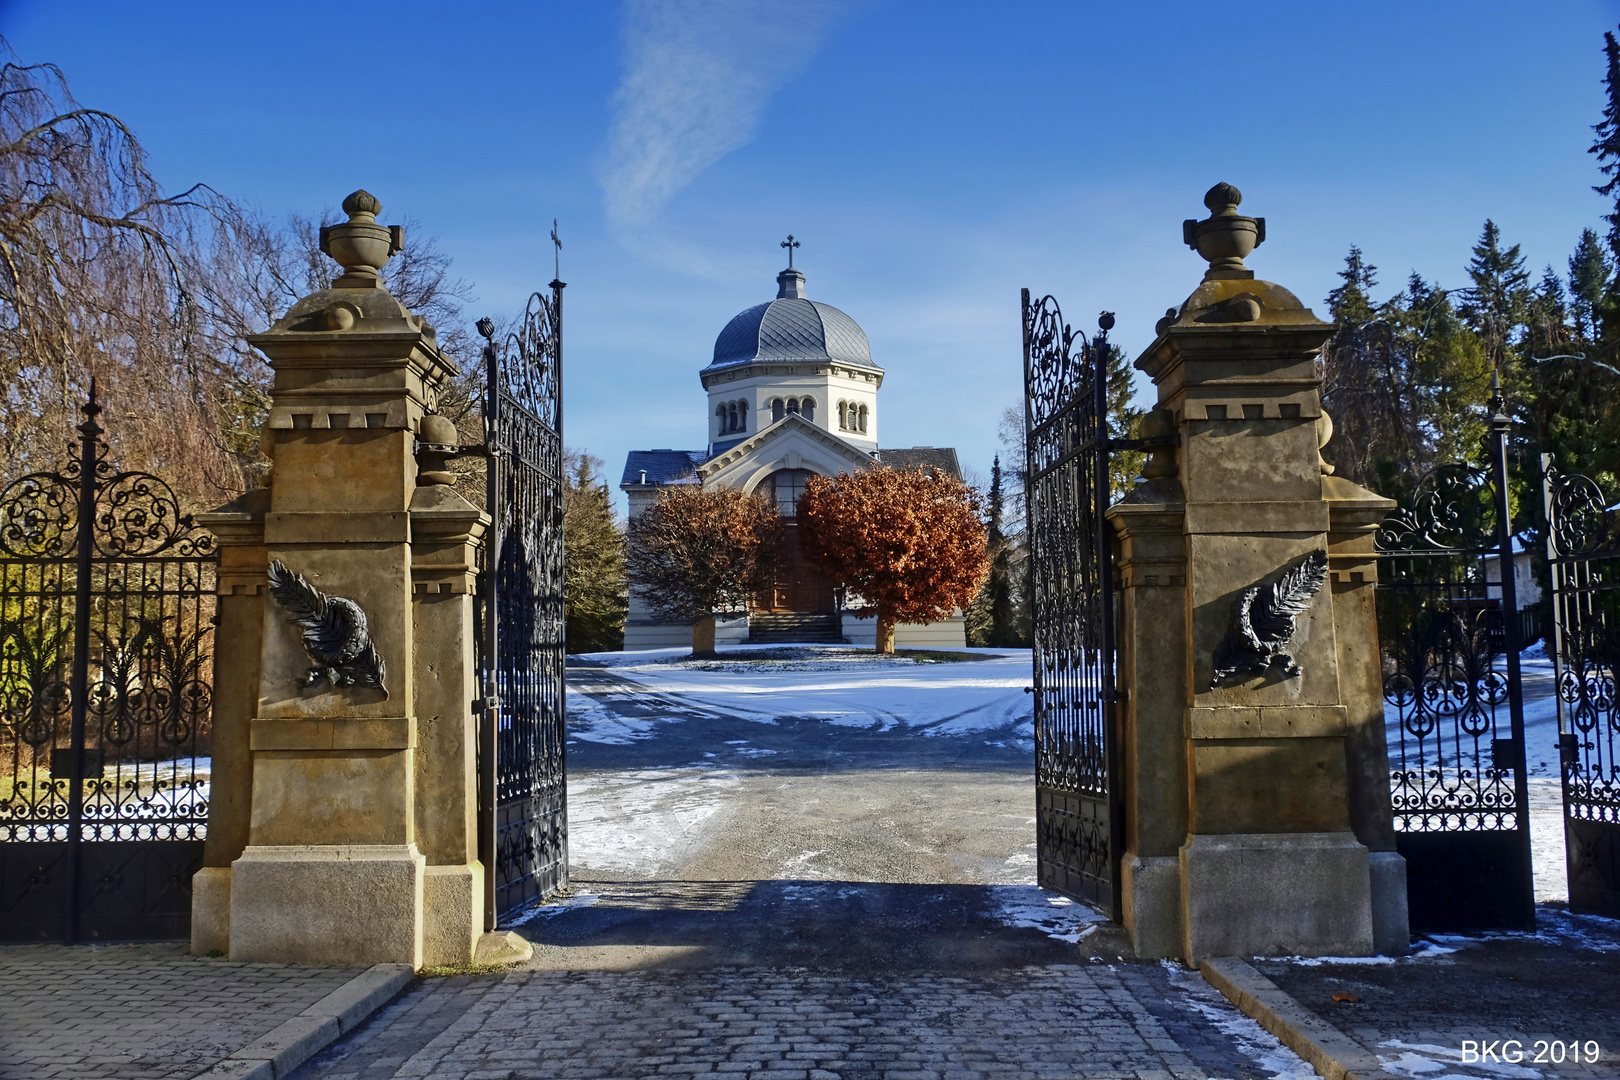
(1254,769)
(343,816)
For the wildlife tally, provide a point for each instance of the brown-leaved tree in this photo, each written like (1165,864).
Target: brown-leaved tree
(696,553)
(910,542)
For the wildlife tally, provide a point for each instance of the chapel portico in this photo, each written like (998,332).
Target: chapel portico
(792,392)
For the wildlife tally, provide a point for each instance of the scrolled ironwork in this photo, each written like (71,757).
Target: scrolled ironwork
(527,377)
(1579,521)
(1451,510)
(1077,825)
(1448,699)
(1584,567)
(105,659)
(1065,362)
(39,516)
(523,788)
(1448,626)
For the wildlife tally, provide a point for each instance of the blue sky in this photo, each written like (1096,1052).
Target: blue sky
(932,157)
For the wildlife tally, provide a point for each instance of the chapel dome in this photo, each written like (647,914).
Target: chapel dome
(792,328)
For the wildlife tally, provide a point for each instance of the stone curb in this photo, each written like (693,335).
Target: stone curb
(1331,1052)
(279,1052)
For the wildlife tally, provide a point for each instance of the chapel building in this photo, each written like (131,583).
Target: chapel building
(793,392)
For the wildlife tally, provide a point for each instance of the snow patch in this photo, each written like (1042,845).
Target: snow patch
(1426,1059)
(1056,916)
(969,698)
(552,908)
(644,822)
(1252,1041)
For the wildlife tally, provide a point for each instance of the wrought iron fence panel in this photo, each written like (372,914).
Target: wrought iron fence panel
(525,812)
(1452,698)
(1079,830)
(107,600)
(1583,559)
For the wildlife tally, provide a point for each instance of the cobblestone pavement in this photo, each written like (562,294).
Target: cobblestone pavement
(1557,986)
(139,1012)
(1090,1020)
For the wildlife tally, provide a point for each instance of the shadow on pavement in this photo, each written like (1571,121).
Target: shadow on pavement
(859,927)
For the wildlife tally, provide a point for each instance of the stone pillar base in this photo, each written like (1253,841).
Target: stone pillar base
(1275,894)
(211,910)
(1392,931)
(453,916)
(328,904)
(1152,903)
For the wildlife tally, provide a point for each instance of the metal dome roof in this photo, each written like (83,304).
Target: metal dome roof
(792,328)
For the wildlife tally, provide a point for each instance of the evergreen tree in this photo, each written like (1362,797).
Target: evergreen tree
(1451,374)
(1351,303)
(991,620)
(593,560)
(1590,274)
(1369,384)
(1124,422)
(1496,305)
(1607,146)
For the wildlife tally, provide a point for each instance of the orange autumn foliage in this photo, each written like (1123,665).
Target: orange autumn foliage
(910,542)
(694,553)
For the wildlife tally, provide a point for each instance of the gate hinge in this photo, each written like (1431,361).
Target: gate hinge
(472,450)
(486,704)
(1145,443)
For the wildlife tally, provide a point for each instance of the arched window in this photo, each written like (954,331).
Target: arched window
(793,405)
(843,421)
(861,420)
(785,486)
(807,408)
(720,417)
(742,416)
(778,410)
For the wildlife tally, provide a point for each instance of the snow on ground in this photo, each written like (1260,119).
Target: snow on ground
(1542,771)
(1253,1041)
(855,690)
(1056,916)
(846,687)
(645,822)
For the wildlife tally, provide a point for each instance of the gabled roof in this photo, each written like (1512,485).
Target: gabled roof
(791,424)
(942,458)
(661,467)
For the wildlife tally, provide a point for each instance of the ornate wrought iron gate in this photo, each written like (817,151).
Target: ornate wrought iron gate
(1453,708)
(106,634)
(523,823)
(1583,562)
(1079,829)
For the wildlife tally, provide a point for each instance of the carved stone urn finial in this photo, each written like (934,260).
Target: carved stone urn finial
(361,245)
(1226,236)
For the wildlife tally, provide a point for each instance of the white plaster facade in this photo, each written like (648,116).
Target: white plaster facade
(792,387)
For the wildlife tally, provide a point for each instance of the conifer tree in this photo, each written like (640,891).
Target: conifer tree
(593,560)
(1495,306)
(1590,274)
(1607,146)
(990,621)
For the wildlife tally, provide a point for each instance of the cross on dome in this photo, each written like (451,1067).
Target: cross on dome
(790,244)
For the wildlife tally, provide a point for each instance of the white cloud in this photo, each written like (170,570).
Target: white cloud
(698,77)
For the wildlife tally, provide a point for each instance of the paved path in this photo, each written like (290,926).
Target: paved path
(1074,1020)
(791,898)
(140,1012)
(1552,992)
